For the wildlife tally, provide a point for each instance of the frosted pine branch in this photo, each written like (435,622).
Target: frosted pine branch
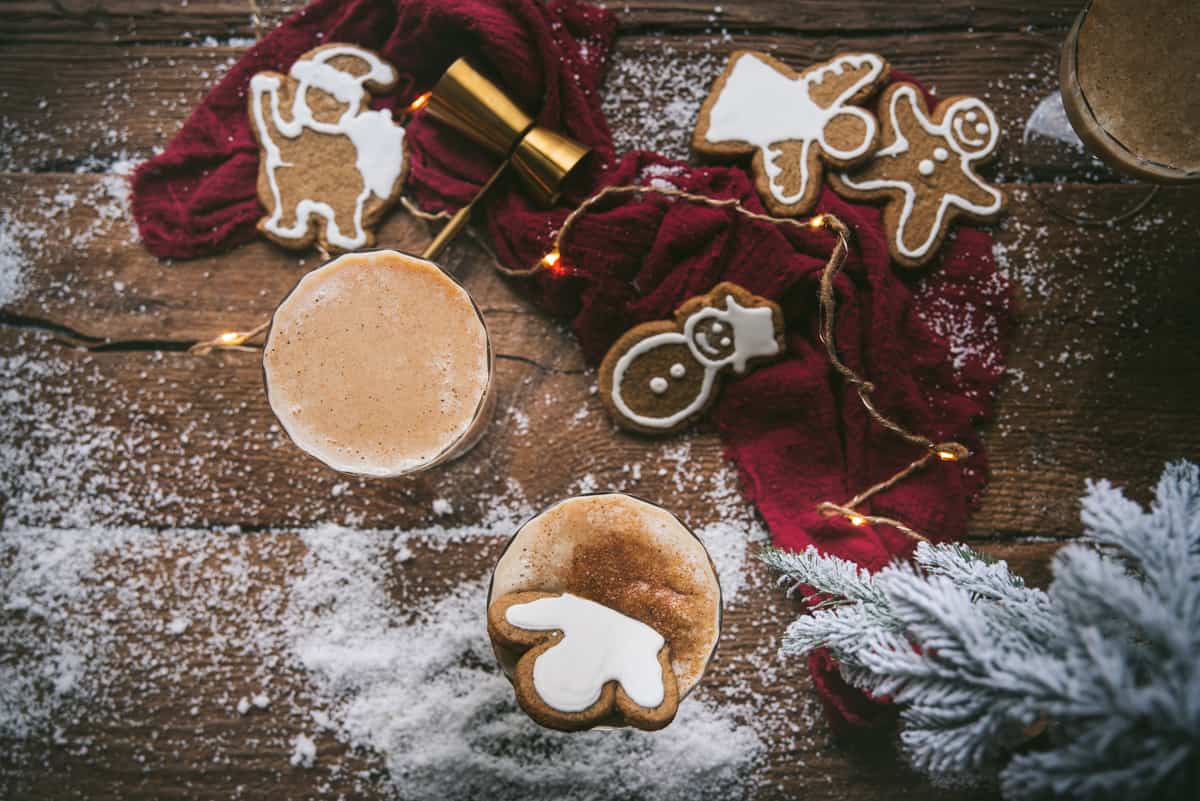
(1109,657)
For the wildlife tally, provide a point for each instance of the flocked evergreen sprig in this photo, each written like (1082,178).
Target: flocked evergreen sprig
(1107,662)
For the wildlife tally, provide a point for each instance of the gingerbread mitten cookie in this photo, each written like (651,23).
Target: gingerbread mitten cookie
(660,376)
(793,123)
(584,663)
(925,171)
(329,167)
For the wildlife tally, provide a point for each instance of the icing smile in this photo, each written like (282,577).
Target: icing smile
(702,342)
(962,136)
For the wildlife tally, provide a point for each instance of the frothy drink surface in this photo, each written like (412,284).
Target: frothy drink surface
(631,556)
(1138,64)
(376,363)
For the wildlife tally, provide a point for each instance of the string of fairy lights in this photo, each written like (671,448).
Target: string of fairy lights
(553,264)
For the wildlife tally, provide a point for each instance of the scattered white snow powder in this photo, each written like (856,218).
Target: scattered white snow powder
(304,752)
(424,691)
(633,96)
(442,507)
(13,262)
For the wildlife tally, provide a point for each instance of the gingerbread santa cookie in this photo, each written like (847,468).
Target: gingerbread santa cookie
(792,123)
(329,167)
(660,376)
(924,172)
(583,663)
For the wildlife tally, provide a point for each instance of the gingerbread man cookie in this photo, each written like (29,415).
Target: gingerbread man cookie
(793,123)
(584,664)
(329,167)
(660,376)
(925,171)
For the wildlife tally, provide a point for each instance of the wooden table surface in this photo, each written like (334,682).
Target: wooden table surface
(1103,378)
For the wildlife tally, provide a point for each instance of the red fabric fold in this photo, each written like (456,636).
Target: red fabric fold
(932,341)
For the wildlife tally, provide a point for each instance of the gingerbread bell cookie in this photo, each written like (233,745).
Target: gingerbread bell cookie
(660,376)
(583,663)
(329,167)
(924,172)
(793,123)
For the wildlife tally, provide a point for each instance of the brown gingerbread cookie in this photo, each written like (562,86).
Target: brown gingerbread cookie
(583,663)
(660,376)
(329,167)
(793,123)
(924,173)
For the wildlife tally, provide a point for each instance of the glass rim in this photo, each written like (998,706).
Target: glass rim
(448,451)
(1098,140)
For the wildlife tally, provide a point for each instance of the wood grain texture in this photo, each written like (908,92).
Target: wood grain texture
(203,749)
(154,21)
(1102,324)
(1102,382)
(147,91)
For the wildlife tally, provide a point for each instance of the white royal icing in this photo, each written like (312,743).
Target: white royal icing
(968,149)
(378,141)
(599,645)
(753,338)
(764,108)
(659,385)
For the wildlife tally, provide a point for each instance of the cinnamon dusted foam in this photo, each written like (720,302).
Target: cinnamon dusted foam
(629,555)
(1129,85)
(379,364)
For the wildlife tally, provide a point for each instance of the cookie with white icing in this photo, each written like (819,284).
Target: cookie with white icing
(583,663)
(329,166)
(794,123)
(660,376)
(924,172)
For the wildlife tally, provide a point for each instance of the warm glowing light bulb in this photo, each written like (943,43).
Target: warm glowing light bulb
(857,520)
(552,261)
(817,222)
(947,456)
(231,338)
(419,102)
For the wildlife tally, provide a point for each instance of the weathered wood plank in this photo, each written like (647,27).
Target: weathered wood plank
(653,91)
(154,20)
(160,728)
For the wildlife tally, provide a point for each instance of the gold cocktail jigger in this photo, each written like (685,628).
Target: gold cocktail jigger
(474,106)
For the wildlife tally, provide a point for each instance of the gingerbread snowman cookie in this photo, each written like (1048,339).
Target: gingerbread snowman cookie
(660,376)
(584,664)
(924,172)
(793,123)
(329,167)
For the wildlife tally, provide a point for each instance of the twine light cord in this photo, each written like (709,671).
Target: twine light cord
(231,340)
(949,451)
(551,261)
(940,451)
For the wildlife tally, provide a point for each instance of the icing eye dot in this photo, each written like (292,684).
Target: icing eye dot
(726,342)
(981,128)
(658,385)
(678,370)
(925,167)
(717,328)
(971,116)
(941,153)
